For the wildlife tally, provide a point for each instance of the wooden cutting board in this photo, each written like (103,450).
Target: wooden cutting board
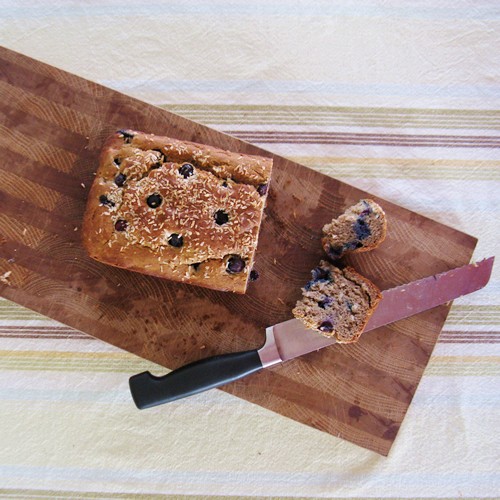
(52,127)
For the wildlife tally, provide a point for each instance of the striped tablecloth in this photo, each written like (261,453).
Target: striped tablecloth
(399,98)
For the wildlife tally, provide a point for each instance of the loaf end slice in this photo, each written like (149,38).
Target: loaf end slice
(360,228)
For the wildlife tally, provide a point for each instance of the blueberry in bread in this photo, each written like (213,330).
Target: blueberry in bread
(360,228)
(337,302)
(178,210)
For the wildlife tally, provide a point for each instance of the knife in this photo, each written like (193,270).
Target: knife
(291,339)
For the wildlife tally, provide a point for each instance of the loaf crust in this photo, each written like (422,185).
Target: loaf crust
(175,209)
(337,302)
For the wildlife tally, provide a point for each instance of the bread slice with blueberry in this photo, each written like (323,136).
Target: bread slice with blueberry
(337,302)
(360,228)
(177,210)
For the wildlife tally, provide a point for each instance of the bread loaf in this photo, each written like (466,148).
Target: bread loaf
(178,210)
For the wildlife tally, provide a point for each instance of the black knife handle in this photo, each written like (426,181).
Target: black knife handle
(148,390)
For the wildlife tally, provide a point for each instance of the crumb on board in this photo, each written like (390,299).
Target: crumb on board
(83,185)
(281,301)
(4,278)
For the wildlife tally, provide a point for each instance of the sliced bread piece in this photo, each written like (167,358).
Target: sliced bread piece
(360,228)
(337,302)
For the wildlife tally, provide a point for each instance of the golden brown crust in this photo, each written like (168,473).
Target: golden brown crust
(183,223)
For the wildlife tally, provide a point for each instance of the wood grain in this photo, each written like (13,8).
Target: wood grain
(52,127)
